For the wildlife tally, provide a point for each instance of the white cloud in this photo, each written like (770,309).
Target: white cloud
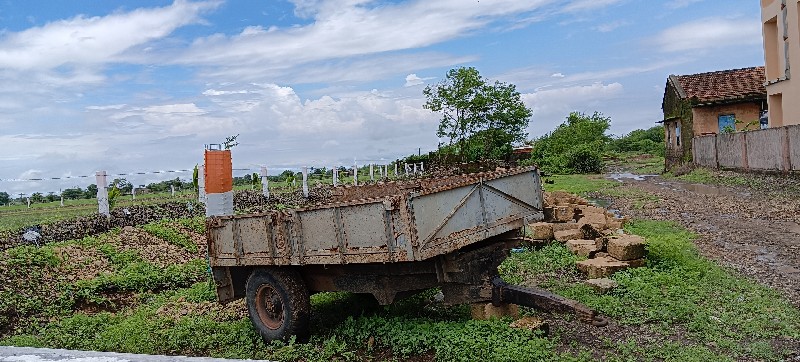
(608,27)
(414,80)
(710,33)
(557,75)
(94,40)
(585,5)
(677,4)
(551,106)
(353,28)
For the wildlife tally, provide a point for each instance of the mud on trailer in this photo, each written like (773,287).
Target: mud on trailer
(390,240)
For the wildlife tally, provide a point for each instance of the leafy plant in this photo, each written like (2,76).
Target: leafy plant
(575,146)
(481,119)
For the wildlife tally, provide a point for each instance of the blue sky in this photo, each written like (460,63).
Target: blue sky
(138,86)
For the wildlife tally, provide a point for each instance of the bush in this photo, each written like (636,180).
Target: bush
(650,141)
(574,146)
(584,159)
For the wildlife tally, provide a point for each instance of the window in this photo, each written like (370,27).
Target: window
(678,134)
(727,123)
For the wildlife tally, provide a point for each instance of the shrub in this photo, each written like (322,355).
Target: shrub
(563,150)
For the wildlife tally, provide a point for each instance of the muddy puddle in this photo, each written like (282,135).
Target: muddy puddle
(703,189)
(604,203)
(629,176)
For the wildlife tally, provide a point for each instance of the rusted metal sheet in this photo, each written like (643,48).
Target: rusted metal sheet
(391,222)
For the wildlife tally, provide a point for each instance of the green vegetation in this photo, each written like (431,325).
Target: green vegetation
(579,184)
(711,177)
(481,119)
(649,141)
(580,145)
(575,146)
(98,293)
(164,230)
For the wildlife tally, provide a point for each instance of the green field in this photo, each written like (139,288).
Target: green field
(100,294)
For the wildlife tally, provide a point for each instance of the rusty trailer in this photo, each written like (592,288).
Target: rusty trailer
(390,240)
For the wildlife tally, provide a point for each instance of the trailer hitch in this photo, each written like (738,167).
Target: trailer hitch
(503,292)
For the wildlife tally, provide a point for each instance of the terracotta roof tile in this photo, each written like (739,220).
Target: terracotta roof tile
(745,83)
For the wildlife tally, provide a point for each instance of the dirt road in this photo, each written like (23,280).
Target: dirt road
(755,232)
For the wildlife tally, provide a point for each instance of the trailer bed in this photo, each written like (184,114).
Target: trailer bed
(399,221)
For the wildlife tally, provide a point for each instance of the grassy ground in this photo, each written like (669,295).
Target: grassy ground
(640,164)
(679,307)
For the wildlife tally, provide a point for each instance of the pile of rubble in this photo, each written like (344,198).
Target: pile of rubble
(591,232)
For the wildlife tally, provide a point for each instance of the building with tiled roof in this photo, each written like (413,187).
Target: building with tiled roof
(710,103)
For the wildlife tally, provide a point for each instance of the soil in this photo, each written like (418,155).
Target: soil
(755,232)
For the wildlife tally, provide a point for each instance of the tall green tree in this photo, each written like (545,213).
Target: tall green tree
(478,115)
(4,197)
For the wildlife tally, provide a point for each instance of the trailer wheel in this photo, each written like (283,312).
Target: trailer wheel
(278,304)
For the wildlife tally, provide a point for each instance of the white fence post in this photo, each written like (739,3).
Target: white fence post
(201,184)
(29,201)
(264,182)
(371,172)
(102,193)
(335,176)
(305,181)
(62,200)
(395,169)
(355,174)
(133,192)
(172,190)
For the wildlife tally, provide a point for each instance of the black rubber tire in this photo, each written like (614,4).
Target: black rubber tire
(289,309)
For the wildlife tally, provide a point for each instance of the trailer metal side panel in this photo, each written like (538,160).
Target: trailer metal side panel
(401,227)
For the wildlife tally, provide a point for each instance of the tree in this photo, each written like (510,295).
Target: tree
(37,197)
(478,116)
(5,198)
(256,181)
(91,192)
(73,193)
(196,179)
(123,185)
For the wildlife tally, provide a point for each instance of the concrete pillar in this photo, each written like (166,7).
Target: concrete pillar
(422,167)
(264,182)
(102,192)
(218,179)
(62,200)
(305,181)
(29,202)
(172,189)
(380,171)
(335,176)
(355,174)
(201,184)
(415,168)
(133,192)
(395,169)
(371,172)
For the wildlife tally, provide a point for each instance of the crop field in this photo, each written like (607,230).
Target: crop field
(146,289)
